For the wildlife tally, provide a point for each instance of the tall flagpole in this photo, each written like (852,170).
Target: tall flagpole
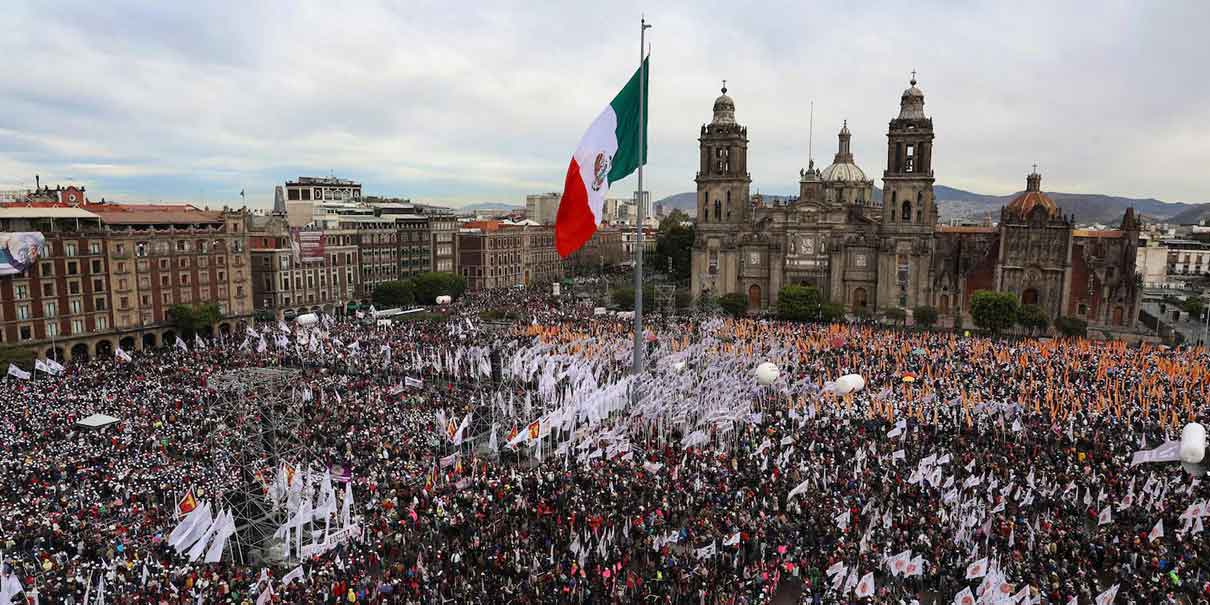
(639,209)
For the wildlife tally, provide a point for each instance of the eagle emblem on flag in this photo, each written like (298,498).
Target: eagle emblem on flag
(600,169)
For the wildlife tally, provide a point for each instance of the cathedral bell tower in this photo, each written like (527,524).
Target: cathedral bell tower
(909,212)
(723,205)
(722,177)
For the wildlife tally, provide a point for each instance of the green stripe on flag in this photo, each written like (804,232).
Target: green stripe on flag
(626,108)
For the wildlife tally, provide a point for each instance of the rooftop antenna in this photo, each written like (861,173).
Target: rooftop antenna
(811,136)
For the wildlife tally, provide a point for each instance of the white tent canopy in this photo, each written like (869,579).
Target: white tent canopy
(97,421)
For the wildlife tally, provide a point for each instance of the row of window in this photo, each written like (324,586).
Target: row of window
(52,329)
(182,246)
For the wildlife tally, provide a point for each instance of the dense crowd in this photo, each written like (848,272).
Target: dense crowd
(689,484)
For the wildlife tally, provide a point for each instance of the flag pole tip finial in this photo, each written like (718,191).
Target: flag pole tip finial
(724,87)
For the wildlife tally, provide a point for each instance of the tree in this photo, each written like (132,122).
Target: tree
(428,286)
(623,297)
(21,356)
(925,315)
(676,243)
(189,319)
(734,304)
(994,311)
(1032,318)
(1072,327)
(831,312)
(394,294)
(895,314)
(674,219)
(1193,306)
(798,303)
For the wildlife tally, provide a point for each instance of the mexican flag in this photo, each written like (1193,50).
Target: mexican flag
(607,153)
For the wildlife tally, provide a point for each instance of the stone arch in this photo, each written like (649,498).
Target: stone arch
(860,299)
(127,343)
(754,296)
(104,348)
(55,353)
(224,328)
(149,340)
(206,331)
(906,215)
(943,305)
(80,351)
(169,337)
(1029,296)
(1119,315)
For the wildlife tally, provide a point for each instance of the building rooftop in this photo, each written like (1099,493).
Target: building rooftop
(43,211)
(964,229)
(323,180)
(1104,233)
(136,214)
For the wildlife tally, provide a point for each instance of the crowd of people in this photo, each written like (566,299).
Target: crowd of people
(966,466)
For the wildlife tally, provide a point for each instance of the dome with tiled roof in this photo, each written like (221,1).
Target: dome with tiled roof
(1033,197)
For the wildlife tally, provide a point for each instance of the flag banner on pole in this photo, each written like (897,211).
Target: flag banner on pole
(607,153)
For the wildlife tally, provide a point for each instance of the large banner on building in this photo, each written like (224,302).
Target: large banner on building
(308,245)
(19,251)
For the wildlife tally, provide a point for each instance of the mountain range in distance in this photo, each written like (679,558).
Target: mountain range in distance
(966,205)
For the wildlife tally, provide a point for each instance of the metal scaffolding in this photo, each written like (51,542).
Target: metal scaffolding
(665,298)
(262,424)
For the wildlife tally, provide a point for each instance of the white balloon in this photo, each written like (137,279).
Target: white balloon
(849,383)
(767,373)
(1193,443)
(306,319)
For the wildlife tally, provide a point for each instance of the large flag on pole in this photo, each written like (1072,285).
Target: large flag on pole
(607,153)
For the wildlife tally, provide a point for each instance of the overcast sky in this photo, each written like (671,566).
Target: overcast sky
(461,102)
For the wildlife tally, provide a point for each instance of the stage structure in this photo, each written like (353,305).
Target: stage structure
(262,422)
(665,298)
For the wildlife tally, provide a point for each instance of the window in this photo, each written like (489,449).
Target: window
(69,249)
(123,284)
(52,328)
(75,306)
(98,285)
(73,287)
(184,279)
(140,249)
(906,215)
(910,162)
(48,289)
(902,263)
(98,303)
(292,195)
(77,326)
(164,265)
(22,312)
(119,249)
(164,280)
(145,300)
(50,309)
(94,248)
(47,269)
(21,291)
(124,303)
(26,333)
(166,298)
(95,265)
(102,323)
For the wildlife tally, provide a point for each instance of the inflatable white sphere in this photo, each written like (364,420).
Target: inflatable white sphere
(1193,443)
(850,383)
(444,299)
(767,373)
(307,319)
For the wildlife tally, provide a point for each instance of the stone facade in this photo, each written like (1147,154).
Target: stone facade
(871,255)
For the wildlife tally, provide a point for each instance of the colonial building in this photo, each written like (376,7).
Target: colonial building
(497,255)
(299,271)
(872,253)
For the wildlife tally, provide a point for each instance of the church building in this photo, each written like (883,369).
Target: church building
(874,254)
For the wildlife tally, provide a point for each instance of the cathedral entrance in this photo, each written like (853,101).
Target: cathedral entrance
(1117,316)
(754,297)
(859,299)
(1029,297)
(944,304)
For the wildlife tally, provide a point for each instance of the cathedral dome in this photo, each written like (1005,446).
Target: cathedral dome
(911,104)
(724,108)
(843,172)
(1031,198)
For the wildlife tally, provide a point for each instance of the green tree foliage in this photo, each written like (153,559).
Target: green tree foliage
(1193,306)
(189,319)
(21,356)
(623,297)
(831,312)
(924,315)
(994,311)
(1072,327)
(734,304)
(428,286)
(895,314)
(798,303)
(393,294)
(675,242)
(1032,318)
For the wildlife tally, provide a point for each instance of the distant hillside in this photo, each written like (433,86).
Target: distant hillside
(492,206)
(1087,208)
(685,202)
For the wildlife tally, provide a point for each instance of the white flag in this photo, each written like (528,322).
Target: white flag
(55,366)
(865,588)
(40,366)
(198,342)
(801,488)
(17,372)
(1106,516)
(295,574)
(1170,451)
(978,569)
(1107,597)
(1157,532)
(120,354)
(180,344)
(732,540)
(964,597)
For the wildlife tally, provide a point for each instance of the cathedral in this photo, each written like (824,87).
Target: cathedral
(874,254)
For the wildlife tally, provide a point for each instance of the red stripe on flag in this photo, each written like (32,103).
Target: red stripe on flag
(574,224)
